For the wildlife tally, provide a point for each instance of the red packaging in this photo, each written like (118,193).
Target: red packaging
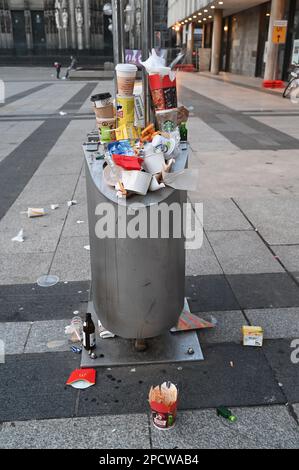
(163,416)
(127,163)
(163,91)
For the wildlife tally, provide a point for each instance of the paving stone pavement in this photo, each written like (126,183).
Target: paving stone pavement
(246,272)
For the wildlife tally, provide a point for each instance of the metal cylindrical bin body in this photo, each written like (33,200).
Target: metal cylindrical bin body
(138,285)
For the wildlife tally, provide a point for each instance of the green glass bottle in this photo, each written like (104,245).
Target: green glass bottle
(183,132)
(226,413)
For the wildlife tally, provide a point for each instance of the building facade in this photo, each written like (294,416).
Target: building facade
(53,27)
(238,35)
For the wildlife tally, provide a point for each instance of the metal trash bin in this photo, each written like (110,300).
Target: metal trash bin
(138,285)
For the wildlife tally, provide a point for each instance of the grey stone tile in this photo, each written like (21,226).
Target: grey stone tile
(222,214)
(277,323)
(276,218)
(283,355)
(71,261)
(202,261)
(243,253)
(289,256)
(296,409)
(44,190)
(210,293)
(227,328)
(32,386)
(47,336)
(256,428)
(41,233)
(23,268)
(14,336)
(72,228)
(103,432)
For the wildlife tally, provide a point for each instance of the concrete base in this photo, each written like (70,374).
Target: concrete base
(169,348)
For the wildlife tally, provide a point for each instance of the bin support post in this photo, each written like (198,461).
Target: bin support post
(147,44)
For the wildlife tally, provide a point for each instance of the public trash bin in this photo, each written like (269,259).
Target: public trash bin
(137,284)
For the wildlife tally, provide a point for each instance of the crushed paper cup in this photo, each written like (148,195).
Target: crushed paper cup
(54,206)
(71,203)
(82,378)
(19,237)
(35,212)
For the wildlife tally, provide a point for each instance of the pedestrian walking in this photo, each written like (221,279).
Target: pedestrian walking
(57,66)
(72,66)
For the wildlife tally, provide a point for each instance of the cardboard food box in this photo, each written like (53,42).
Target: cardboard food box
(253,336)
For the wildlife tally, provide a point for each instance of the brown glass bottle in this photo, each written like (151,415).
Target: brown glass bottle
(89,337)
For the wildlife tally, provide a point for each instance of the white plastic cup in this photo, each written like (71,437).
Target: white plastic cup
(154,163)
(136,181)
(126,75)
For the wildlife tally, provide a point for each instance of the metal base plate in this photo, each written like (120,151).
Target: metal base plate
(169,348)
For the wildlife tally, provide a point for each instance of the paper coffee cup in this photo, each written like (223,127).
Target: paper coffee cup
(136,181)
(126,75)
(104,112)
(35,212)
(154,163)
(101,99)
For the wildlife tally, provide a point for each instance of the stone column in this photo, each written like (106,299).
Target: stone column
(277,13)
(73,24)
(86,23)
(216,42)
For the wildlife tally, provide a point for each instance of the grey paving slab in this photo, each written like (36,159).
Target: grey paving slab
(296,409)
(202,261)
(41,233)
(209,383)
(256,428)
(243,253)
(255,291)
(33,386)
(210,293)
(277,323)
(283,357)
(48,336)
(71,261)
(289,256)
(29,302)
(227,328)
(104,432)
(222,214)
(14,336)
(43,190)
(76,224)
(21,268)
(276,218)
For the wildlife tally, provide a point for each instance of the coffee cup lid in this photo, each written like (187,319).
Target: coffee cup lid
(126,68)
(100,97)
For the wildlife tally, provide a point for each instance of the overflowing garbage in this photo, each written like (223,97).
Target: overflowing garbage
(140,155)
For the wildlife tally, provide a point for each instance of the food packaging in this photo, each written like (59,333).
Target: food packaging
(35,212)
(136,181)
(125,110)
(167,120)
(163,90)
(253,336)
(163,401)
(106,129)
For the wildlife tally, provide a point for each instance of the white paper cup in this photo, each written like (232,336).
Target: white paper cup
(126,75)
(136,181)
(154,163)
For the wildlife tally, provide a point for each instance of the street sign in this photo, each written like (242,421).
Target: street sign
(279,34)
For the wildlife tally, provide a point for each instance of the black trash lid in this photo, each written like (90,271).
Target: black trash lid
(100,96)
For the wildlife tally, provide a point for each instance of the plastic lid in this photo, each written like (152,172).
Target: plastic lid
(47,280)
(126,68)
(100,97)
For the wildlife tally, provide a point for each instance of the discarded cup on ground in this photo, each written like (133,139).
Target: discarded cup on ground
(48,280)
(163,403)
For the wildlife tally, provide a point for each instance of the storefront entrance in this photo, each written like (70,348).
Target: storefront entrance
(38,31)
(19,35)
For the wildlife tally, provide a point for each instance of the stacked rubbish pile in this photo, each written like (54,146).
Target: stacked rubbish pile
(140,155)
